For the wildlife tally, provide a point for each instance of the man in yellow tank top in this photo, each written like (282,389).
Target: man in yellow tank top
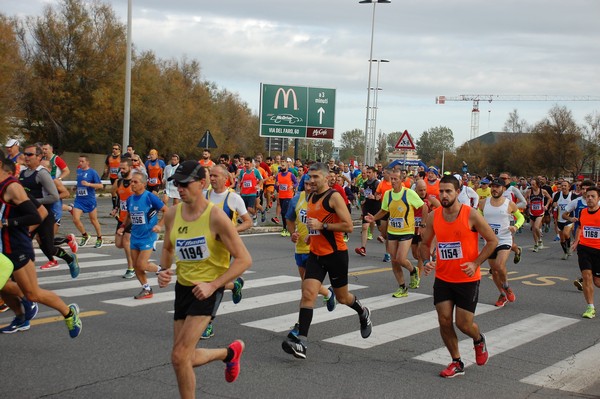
(201,238)
(457,273)
(400,204)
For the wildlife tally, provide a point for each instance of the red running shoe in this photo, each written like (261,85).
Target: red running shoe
(361,251)
(51,264)
(481,352)
(72,243)
(510,295)
(501,301)
(232,368)
(454,369)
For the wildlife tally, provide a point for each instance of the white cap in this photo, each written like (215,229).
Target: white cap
(11,142)
(289,160)
(459,177)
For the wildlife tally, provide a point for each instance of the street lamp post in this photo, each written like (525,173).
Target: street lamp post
(127,106)
(367,159)
(375,108)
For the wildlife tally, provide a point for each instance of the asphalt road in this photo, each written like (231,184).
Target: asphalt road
(540,346)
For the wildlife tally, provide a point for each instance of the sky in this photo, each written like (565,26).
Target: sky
(434,47)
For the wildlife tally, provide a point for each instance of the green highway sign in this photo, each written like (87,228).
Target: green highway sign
(297,112)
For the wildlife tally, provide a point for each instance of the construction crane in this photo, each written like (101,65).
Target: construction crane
(493,97)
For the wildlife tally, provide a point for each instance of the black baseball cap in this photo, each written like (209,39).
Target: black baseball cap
(498,182)
(188,171)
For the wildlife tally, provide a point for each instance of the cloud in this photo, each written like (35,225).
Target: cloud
(435,48)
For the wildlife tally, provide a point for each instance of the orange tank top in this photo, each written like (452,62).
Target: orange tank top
(324,242)
(590,229)
(114,164)
(155,174)
(457,244)
(433,190)
(123,193)
(286,185)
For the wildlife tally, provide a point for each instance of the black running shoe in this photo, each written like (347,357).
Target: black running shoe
(365,323)
(294,347)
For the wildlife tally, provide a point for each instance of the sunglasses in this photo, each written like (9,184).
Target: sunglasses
(182,185)
(116,148)
(136,160)
(29,154)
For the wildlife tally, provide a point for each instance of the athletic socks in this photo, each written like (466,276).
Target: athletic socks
(305,318)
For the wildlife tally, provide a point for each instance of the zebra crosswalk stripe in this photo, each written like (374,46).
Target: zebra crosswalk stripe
(168,293)
(321,315)
(574,374)
(504,338)
(388,332)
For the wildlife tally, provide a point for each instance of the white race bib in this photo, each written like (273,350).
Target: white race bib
(397,223)
(247,184)
(283,187)
(495,227)
(536,207)
(591,232)
(82,191)
(153,181)
(192,248)
(302,215)
(450,250)
(123,205)
(138,218)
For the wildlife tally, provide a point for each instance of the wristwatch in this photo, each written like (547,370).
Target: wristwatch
(325,226)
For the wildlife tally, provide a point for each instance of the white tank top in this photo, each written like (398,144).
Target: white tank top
(499,220)
(562,203)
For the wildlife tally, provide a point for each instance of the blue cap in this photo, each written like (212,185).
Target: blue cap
(485,181)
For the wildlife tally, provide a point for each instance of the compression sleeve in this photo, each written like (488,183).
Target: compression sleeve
(520,219)
(29,215)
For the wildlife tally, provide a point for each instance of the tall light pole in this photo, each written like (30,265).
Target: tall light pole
(126,110)
(375,108)
(367,159)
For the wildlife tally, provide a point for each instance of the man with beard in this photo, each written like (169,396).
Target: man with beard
(327,219)
(457,270)
(497,211)
(122,191)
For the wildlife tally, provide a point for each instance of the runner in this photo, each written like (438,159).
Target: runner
(514,194)
(536,201)
(296,225)
(233,206)
(249,179)
(170,189)
(112,163)
(39,185)
(327,218)
(18,214)
(400,203)
(560,200)
(15,155)
(457,270)
(142,215)
(206,161)
(122,191)
(497,211)
(155,168)
(202,239)
(572,213)
(88,182)
(421,215)
(384,185)
(57,166)
(587,244)
(371,206)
